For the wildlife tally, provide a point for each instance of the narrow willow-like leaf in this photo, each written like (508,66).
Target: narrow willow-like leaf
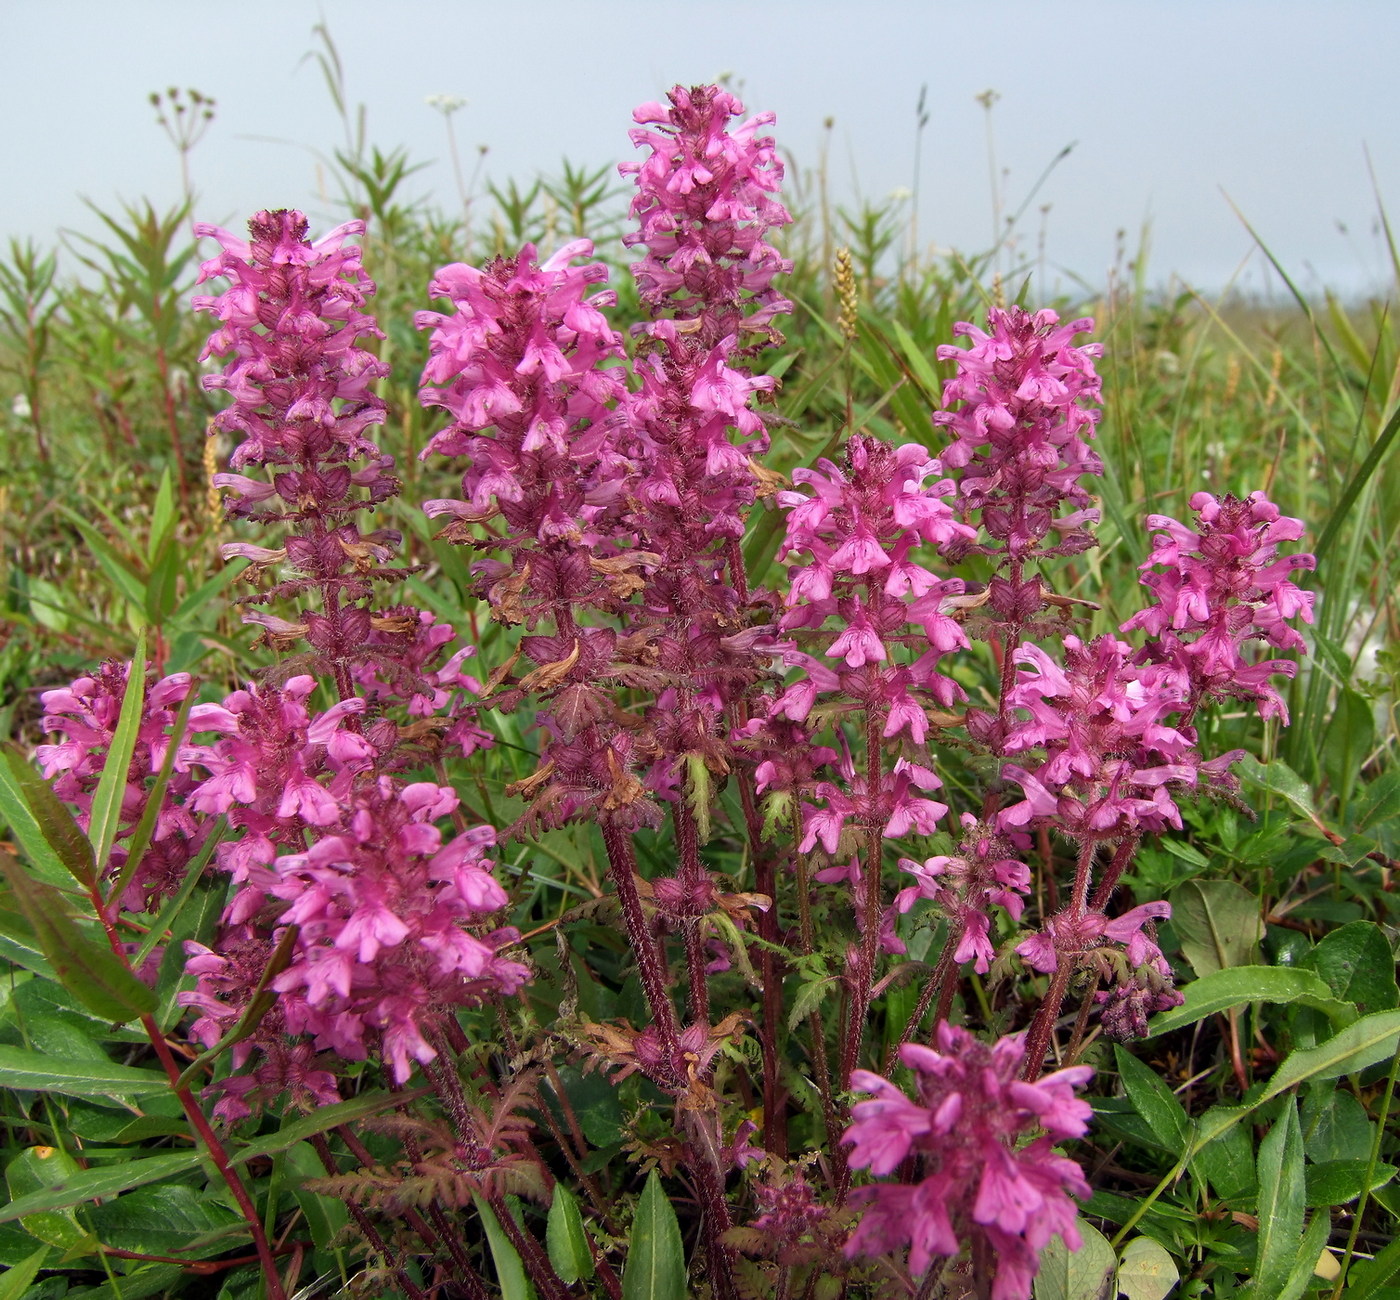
(27,826)
(49,815)
(90,971)
(655,1268)
(107,799)
(107,1180)
(1281,1195)
(565,1238)
(1238,986)
(323,1120)
(30,1071)
(18,1278)
(155,797)
(510,1271)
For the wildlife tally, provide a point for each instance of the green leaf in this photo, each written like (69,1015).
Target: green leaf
(1217,924)
(565,1238)
(1281,1196)
(1146,1271)
(510,1272)
(1338,1182)
(36,1072)
(124,579)
(29,1176)
(1336,1126)
(89,970)
(322,1120)
(55,823)
(1307,1258)
(1154,1101)
(326,1216)
(163,517)
(1372,1038)
(1238,985)
(169,1219)
(1368,1277)
(1083,1274)
(18,1278)
(78,1185)
(1358,965)
(203,597)
(1280,779)
(27,826)
(106,815)
(655,1268)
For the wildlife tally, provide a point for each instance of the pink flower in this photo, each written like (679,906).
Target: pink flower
(706,199)
(981,1187)
(1216,589)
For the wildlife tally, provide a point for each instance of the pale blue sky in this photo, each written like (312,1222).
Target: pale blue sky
(1173,103)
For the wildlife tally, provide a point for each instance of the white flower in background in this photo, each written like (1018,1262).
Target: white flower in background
(21,409)
(445,104)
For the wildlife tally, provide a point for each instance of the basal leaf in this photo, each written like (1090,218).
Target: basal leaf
(1146,1270)
(1217,924)
(1083,1274)
(1281,1195)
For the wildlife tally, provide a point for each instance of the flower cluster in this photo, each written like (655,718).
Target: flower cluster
(967,885)
(1217,588)
(85,713)
(1112,754)
(706,199)
(862,529)
(983,1188)
(383,911)
(1029,399)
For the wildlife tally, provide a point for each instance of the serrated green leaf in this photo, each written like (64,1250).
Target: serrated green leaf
(1237,986)
(1146,1271)
(1339,1182)
(1371,1039)
(1083,1274)
(1306,1260)
(655,1268)
(1281,1195)
(36,1072)
(76,1186)
(89,970)
(565,1238)
(810,997)
(29,1177)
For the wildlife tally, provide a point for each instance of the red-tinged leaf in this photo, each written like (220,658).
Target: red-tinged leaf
(51,817)
(89,971)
